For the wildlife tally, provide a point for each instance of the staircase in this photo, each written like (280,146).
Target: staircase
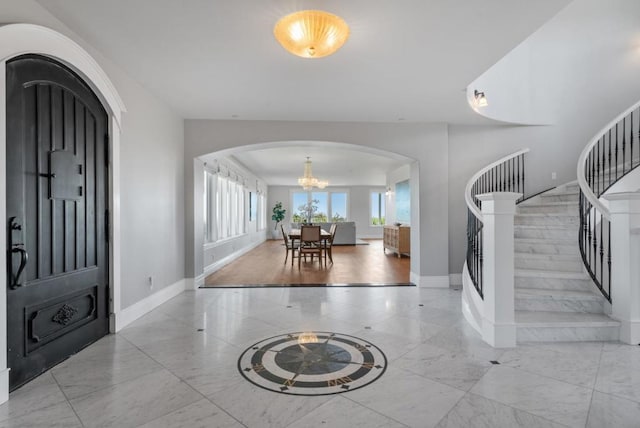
(555,299)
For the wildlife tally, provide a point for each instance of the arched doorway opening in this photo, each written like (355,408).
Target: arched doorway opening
(289,154)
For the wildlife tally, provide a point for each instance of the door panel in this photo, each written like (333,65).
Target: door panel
(56,198)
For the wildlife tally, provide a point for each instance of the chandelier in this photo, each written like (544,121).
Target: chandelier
(309,181)
(311,33)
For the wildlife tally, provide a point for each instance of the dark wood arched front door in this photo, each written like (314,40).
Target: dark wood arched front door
(57,261)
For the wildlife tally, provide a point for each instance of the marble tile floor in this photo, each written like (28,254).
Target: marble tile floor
(178,367)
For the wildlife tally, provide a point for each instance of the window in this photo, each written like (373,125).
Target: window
(329,206)
(377,209)
(225,208)
(338,207)
(321,200)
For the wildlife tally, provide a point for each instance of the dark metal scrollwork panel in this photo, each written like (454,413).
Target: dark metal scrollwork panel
(65,314)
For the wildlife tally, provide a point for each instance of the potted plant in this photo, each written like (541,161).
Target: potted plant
(278,216)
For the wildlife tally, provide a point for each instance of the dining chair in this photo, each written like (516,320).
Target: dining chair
(289,246)
(329,242)
(310,243)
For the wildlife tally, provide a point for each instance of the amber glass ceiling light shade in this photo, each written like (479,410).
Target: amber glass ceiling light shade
(311,33)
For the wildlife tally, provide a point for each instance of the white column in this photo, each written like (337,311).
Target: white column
(625,263)
(498,323)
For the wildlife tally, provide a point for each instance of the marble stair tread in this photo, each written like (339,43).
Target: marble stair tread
(550,241)
(529,319)
(546,246)
(551,207)
(562,190)
(573,196)
(558,300)
(539,203)
(551,257)
(561,214)
(534,273)
(534,293)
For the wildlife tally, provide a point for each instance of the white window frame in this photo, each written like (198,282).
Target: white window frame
(226,208)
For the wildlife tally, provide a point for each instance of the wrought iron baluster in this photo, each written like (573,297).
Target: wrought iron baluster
(624,159)
(610,155)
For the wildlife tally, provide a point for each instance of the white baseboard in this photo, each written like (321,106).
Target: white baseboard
(4,385)
(213,267)
(455,279)
(126,316)
(430,281)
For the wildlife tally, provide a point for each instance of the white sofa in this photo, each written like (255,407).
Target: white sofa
(345,233)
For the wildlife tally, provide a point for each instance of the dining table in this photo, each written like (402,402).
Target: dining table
(294,234)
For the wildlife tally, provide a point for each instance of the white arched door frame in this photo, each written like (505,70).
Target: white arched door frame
(20,39)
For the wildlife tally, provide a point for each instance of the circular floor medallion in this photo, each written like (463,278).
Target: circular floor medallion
(312,363)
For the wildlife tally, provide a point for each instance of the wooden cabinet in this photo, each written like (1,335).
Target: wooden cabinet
(397,239)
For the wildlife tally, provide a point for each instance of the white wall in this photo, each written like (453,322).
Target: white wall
(358,207)
(152,172)
(583,65)
(587,54)
(426,143)
(214,255)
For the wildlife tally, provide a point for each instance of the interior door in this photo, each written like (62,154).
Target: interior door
(57,273)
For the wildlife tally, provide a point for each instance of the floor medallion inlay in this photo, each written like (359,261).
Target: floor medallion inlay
(312,363)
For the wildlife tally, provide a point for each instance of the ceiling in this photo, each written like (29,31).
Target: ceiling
(217,59)
(408,60)
(281,166)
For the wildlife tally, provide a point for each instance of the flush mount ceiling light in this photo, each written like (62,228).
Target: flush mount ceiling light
(311,33)
(481,100)
(308,182)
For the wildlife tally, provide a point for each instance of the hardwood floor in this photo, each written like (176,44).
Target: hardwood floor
(352,264)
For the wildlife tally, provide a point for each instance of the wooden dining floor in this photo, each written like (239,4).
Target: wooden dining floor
(352,264)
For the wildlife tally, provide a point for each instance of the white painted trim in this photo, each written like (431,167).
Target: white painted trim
(213,267)
(20,39)
(430,281)
(127,315)
(455,279)
(4,388)
(4,385)
(198,281)
(472,304)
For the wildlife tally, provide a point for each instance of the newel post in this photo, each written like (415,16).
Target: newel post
(498,323)
(625,263)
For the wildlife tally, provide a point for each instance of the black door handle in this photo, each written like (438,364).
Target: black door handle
(24,258)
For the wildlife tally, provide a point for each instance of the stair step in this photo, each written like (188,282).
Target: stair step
(536,231)
(531,278)
(548,207)
(551,326)
(561,196)
(547,246)
(545,262)
(539,299)
(546,219)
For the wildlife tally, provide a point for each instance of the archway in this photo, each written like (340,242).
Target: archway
(199,168)
(427,143)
